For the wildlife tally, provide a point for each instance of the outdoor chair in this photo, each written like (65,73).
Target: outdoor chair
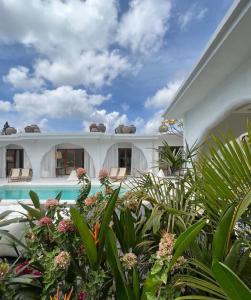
(113,173)
(26,175)
(14,175)
(121,174)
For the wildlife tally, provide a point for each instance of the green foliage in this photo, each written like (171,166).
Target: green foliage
(234,288)
(182,238)
(85,235)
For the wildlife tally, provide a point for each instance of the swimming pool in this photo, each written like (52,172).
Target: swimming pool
(44,192)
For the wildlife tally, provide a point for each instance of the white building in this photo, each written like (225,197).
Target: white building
(217,94)
(57,154)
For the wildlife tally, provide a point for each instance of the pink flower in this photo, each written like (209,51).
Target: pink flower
(62,260)
(65,226)
(90,200)
(51,203)
(45,221)
(82,296)
(103,174)
(80,172)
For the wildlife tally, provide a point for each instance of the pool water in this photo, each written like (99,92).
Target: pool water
(44,192)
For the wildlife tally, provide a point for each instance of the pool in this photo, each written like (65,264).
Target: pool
(44,192)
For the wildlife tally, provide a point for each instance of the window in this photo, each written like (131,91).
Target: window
(125,159)
(68,160)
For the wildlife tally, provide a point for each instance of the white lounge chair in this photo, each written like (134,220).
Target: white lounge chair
(14,175)
(26,175)
(121,174)
(113,173)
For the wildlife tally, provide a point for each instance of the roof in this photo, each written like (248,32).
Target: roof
(226,50)
(79,135)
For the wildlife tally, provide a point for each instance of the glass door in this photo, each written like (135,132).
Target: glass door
(68,160)
(14,159)
(125,159)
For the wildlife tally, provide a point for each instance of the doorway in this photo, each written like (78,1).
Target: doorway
(68,160)
(125,159)
(14,159)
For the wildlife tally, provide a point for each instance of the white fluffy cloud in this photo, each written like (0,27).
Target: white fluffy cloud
(55,26)
(152,125)
(5,106)
(90,69)
(143,27)
(163,97)
(75,40)
(65,102)
(193,13)
(20,78)
(58,103)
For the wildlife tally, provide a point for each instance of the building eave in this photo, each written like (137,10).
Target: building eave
(79,136)
(227,25)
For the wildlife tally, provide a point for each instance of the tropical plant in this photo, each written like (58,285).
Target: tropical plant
(182,238)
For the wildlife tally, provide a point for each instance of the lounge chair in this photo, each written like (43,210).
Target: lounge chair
(113,173)
(14,175)
(25,175)
(121,174)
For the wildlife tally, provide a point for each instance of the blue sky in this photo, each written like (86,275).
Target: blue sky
(65,64)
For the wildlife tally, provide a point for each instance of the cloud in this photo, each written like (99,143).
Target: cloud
(164,96)
(152,125)
(5,106)
(65,102)
(20,78)
(77,42)
(144,25)
(89,69)
(193,13)
(58,103)
(56,27)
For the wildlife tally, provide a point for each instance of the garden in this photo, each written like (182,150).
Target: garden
(188,237)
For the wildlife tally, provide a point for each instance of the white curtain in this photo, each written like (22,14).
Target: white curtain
(139,163)
(27,163)
(88,165)
(48,164)
(111,159)
(2,162)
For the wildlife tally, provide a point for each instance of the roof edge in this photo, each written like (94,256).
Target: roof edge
(228,23)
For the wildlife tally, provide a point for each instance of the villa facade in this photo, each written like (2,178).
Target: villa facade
(216,96)
(57,154)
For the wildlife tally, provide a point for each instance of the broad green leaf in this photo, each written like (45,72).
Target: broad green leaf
(222,234)
(232,285)
(185,240)
(35,199)
(33,212)
(242,207)
(85,235)
(107,218)
(136,284)
(232,258)
(58,196)
(114,262)
(119,232)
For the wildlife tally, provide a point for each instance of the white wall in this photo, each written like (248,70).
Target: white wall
(233,92)
(37,148)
